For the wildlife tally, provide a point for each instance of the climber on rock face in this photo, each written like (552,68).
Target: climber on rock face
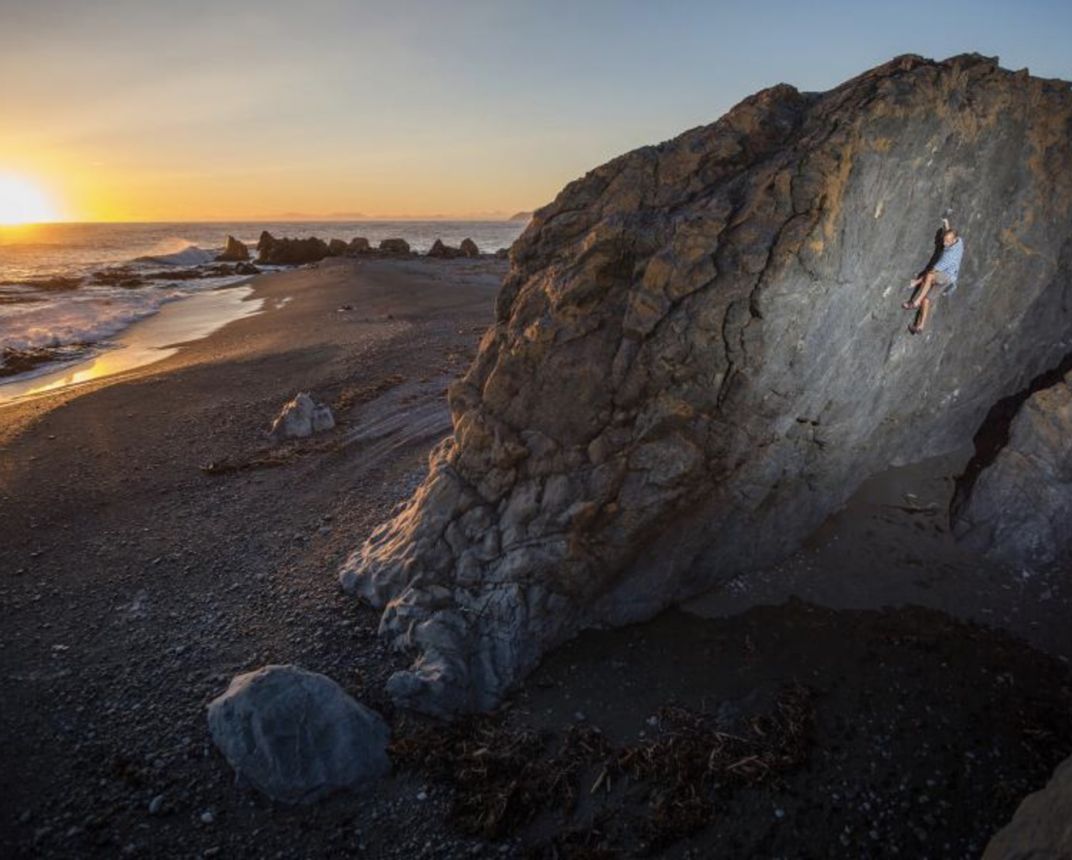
(943,275)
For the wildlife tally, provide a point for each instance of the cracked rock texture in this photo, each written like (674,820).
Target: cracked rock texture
(1019,507)
(699,353)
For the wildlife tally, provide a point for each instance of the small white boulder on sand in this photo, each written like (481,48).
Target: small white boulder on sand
(296,735)
(301,417)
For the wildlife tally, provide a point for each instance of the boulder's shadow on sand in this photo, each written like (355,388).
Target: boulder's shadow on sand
(939,686)
(927,730)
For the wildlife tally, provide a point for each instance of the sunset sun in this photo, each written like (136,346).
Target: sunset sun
(22,202)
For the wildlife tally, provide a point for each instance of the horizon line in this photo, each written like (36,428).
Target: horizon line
(263,220)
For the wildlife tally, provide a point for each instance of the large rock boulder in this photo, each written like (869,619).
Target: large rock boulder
(301,417)
(469,249)
(290,252)
(1018,507)
(444,252)
(337,248)
(1041,829)
(357,246)
(233,252)
(699,352)
(296,735)
(399,247)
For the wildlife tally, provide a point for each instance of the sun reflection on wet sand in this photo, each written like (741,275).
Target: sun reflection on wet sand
(148,341)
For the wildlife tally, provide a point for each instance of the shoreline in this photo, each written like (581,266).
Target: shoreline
(152,338)
(67,288)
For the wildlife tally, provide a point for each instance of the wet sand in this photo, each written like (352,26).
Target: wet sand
(134,584)
(146,342)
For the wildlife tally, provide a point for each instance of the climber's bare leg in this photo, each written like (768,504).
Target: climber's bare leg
(922,316)
(921,293)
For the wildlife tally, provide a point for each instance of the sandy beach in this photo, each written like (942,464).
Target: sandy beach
(134,584)
(155,544)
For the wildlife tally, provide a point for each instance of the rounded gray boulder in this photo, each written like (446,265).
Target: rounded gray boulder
(297,735)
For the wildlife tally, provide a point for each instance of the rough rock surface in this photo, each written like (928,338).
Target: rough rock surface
(1041,829)
(290,251)
(445,252)
(233,252)
(301,417)
(469,249)
(394,246)
(297,735)
(699,353)
(1019,507)
(358,245)
(337,248)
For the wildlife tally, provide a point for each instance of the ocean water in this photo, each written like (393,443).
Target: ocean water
(38,311)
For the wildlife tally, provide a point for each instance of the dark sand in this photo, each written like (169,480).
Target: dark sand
(133,585)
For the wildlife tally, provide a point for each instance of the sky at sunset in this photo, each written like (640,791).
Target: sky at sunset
(222,110)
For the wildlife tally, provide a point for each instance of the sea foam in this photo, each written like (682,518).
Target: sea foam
(91,314)
(188,255)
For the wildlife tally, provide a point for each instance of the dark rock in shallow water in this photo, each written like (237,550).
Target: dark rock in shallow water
(1042,825)
(503,253)
(1019,507)
(358,245)
(54,284)
(16,361)
(469,248)
(246,269)
(185,274)
(394,246)
(337,248)
(296,735)
(699,353)
(122,276)
(234,252)
(445,252)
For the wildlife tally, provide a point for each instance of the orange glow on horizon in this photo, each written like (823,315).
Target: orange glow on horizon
(51,185)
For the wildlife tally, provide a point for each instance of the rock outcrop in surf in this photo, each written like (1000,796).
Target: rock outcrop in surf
(699,352)
(233,252)
(293,252)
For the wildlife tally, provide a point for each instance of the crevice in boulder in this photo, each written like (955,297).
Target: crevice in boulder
(993,434)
